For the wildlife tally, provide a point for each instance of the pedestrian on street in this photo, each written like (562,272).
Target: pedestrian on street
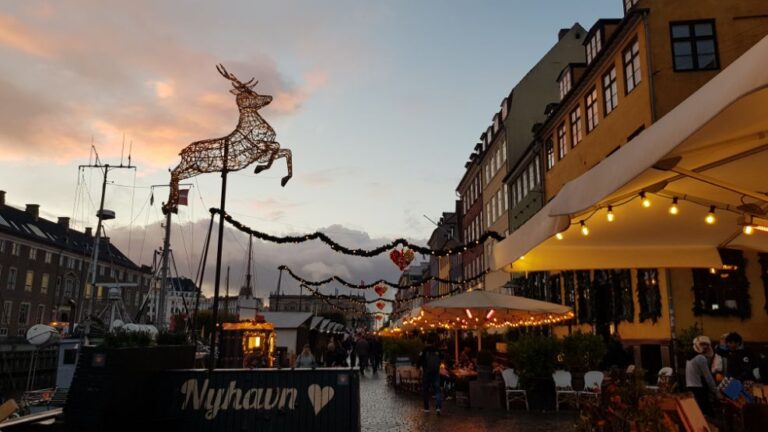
(341,355)
(429,363)
(376,354)
(362,350)
(349,345)
(329,357)
(305,359)
(738,361)
(698,375)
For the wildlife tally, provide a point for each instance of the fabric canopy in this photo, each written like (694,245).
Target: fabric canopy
(711,150)
(479,308)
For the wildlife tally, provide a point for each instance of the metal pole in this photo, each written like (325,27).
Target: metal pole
(277,299)
(226,296)
(203,262)
(95,258)
(456,347)
(161,321)
(217,280)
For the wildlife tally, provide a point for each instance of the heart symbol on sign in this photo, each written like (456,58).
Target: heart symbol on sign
(380,305)
(319,397)
(401,259)
(380,289)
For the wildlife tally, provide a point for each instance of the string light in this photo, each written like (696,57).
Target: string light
(490,314)
(559,236)
(749,229)
(610,215)
(645,200)
(584,229)
(673,210)
(469,313)
(711,219)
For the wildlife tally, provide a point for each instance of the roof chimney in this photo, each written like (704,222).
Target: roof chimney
(64,221)
(2,197)
(562,33)
(88,231)
(34,210)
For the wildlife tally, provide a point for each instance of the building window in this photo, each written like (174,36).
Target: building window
(32,253)
(40,317)
(610,95)
(24,313)
(2,246)
(550,149)
(594,46)
(591,109)
(48,257)
(562,141)
(506,197)
(11,278)
(7,309)
(576,125)
(632,73)
(3,332)
(68,284)
(694,45)
(44,283)
(565,84)
(15,249)
(628,5)
(29,280)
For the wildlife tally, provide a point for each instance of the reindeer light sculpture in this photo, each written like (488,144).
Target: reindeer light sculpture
(253,140)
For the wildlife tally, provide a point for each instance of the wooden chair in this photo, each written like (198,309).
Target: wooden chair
(564,391)
(512,388)
(593,380)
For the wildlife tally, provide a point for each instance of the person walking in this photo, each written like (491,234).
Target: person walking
(377,351)
(305,359)
(349,345)
(698,375)
(429,363)
(329,357)
(362,351)
(739,363)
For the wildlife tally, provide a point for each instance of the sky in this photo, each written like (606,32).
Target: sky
(380,102)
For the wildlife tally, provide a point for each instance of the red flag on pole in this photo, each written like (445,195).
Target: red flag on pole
(183,196)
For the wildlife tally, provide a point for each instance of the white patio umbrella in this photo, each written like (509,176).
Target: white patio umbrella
(478,309)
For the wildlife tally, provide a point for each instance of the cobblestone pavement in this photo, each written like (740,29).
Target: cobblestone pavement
(385,410)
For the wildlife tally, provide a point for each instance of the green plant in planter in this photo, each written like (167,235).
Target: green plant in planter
(533,356)
(583,351)
(402,347)
(166,337)
(125,339)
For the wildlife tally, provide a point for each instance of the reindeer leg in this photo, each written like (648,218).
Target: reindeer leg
(173,195)
(272,157)
(286,153)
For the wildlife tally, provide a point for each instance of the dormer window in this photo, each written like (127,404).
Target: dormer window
(504,110)
(628,4)
(565,83)
(594,46)
(495,123)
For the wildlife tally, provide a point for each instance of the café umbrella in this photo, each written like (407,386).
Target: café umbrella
(479,309)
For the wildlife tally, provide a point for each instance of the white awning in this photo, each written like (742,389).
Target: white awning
(712,149)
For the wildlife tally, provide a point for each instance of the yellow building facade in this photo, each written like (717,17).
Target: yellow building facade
(638,69)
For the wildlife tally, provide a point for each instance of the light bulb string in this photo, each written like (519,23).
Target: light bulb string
(580,219)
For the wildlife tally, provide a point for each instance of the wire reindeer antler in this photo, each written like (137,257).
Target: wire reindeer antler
(235,82)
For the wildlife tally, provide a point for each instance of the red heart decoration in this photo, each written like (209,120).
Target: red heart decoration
(380,289)
(402,259)
(379,317)
(380,305)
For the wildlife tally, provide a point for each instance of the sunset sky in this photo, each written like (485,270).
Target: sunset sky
(380,102)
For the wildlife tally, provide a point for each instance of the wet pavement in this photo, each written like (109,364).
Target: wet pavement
(385,410)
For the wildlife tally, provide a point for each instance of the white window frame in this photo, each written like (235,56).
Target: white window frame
(48,257)
(29,310)
(32,253)
(591,103)
(610,91)
(44,281)
(562,140)
(29,280)
(575,121)
(632,73)
(11,281)
(5,315)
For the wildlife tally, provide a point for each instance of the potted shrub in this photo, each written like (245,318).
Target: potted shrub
(534,358)
(582,352)
(484,362)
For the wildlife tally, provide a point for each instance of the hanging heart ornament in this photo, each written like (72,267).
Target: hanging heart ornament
(380,305)
(380,289)
(402,259)
(379,317)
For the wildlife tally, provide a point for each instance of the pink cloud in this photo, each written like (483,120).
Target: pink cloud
(15,35)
